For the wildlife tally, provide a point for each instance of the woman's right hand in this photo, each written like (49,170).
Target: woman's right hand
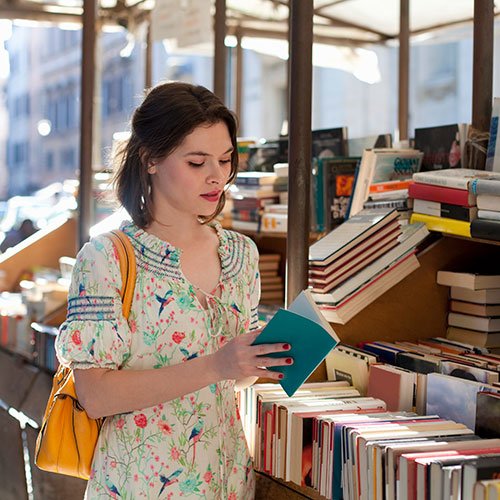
(239,358)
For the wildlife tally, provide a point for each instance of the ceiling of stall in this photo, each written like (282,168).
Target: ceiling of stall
(349,22)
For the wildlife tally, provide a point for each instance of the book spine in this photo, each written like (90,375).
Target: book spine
(435,179)
(488,214)
(485,229)
(484,186)
(383,187)
(445,210)
(443,224)
(441,194)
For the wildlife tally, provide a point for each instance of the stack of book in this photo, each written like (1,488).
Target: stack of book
(487,192)
(383,177)
(271,282)
(275,215)
(444,199)
(360,260)
(474,307)
(250,193)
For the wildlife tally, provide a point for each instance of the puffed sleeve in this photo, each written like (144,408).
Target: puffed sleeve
(254,285)
(95,333)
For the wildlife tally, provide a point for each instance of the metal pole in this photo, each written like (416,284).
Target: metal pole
(482,80)
(404,67)
(299,149)
(220,49)
(148,69)
(86,119)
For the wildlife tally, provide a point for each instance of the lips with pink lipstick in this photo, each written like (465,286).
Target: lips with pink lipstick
(213,196)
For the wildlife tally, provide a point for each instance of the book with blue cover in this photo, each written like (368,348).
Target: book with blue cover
(310,336)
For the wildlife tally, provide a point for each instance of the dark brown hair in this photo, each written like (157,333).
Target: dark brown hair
(169,113)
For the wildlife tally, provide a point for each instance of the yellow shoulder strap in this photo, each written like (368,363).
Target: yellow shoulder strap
(126,257)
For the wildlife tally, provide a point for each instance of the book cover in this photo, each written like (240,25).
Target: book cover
(470,280)
(442,146)
(453,398)
(485,229)
(448,210)
(488,415)
(350,233)
(382,165)
(311,338)
(441,194)
(334,183)
(457,178)
(342,366)
(443,224)
(329,142)
(392,385)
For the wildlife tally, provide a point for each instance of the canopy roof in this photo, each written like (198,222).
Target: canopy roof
(342,22)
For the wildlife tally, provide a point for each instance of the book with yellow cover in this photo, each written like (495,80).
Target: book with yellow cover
(443,224)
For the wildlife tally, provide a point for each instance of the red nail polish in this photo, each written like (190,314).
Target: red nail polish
(288,361)
(286,347)
(281,376)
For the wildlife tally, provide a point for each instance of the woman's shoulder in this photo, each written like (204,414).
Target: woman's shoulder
(235,241)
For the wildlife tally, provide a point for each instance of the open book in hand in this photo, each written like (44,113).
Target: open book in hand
(311,337)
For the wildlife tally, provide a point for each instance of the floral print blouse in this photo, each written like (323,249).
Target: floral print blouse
(192,446)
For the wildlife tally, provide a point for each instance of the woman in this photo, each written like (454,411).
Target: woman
(165,379)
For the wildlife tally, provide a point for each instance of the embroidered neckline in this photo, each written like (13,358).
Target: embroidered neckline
(162,252)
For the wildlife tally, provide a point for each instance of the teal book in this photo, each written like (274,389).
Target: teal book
(310,336)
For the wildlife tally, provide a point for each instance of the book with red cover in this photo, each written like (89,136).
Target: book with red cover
(442,194)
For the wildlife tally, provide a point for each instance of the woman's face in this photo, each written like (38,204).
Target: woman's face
(191,179)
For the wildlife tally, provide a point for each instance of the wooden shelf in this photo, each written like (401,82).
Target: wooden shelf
(476,240)
(270,487)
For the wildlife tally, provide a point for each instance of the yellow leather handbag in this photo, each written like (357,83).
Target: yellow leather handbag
(68,436)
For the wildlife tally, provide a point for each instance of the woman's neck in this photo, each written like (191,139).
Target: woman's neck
(180,233)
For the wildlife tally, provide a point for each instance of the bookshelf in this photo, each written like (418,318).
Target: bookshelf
(414,308)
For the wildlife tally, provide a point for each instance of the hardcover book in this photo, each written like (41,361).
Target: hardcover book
(443,224)
(448,210)
(441,194)
(311,338)
(457,178)
(485,229)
